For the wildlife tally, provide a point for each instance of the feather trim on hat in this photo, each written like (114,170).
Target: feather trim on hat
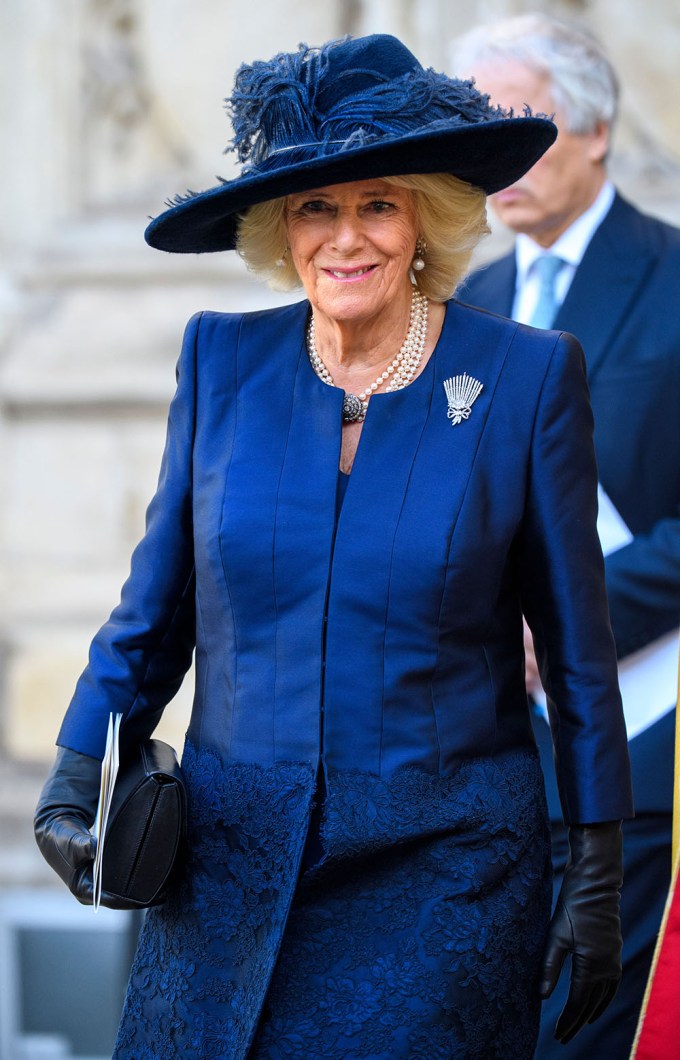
(283,105)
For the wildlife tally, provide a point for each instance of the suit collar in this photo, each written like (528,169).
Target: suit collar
(614,268)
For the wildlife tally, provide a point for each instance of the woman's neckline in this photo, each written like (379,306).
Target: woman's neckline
(394,394)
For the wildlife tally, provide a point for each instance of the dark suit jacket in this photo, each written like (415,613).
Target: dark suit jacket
(621,306)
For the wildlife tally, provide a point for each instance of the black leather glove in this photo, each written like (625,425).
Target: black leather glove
(64,814)
(586,924)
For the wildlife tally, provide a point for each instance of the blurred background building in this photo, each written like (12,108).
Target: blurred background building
(106,108)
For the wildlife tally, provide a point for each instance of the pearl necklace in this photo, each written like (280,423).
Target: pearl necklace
(401,370)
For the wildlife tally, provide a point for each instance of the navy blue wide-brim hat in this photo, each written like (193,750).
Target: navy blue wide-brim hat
(351,110)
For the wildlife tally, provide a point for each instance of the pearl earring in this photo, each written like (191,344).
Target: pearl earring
(280,262)
(418,263)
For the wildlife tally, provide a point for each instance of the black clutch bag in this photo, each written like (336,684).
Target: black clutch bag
(146,825)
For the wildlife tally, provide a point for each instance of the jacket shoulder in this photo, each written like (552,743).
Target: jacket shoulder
(627,231)
(528,352)
(490,326)
(215,339)
(482,316)
(210,322)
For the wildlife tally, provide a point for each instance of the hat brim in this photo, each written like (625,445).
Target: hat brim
(491,156)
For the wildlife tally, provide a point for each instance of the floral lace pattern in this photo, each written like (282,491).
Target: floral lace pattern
(419,935)
(205,957)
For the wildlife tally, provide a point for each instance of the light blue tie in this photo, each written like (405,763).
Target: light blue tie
(547,267)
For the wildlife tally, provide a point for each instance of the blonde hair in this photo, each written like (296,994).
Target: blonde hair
(450,219)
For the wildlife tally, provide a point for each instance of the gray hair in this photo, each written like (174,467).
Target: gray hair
(583,83)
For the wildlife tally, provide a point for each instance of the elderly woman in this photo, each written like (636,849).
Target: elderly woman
(360,495)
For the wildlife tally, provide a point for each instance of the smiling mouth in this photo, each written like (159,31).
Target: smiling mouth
(350,274)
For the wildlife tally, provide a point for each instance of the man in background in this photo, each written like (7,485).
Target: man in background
(588,262)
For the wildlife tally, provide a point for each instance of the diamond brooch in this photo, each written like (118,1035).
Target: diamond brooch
(461,393)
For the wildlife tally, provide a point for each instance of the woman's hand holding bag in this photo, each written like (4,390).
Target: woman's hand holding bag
(63,818)
(586,924)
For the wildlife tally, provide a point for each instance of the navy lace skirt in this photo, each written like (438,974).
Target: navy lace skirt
(419,935)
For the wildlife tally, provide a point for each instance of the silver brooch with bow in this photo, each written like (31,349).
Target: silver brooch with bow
(461,393)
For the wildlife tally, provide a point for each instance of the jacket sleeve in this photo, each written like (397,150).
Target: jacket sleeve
(139,657)
(643,585)
(564,598)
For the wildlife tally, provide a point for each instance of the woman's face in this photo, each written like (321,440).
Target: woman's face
(352,245)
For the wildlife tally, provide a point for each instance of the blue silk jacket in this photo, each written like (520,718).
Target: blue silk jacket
(387,648)
(395,640)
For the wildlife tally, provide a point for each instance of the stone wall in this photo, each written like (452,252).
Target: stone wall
(106,107)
